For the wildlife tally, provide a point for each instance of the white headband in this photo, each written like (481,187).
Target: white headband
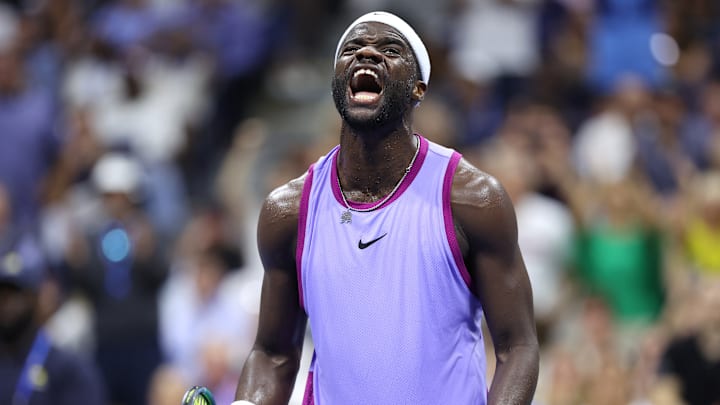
(416,44)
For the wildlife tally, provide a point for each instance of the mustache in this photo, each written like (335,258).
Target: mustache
(396,102)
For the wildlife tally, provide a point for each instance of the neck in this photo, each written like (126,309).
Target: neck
(370,165)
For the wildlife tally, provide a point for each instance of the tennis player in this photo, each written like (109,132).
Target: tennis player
(394,248)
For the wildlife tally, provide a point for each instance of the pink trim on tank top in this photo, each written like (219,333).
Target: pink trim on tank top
(302,221)
(405,183)
(447,214)
(309,396)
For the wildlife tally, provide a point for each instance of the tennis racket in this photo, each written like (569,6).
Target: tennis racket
(198,395)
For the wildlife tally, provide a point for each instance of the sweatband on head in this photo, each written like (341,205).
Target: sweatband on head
(413,39)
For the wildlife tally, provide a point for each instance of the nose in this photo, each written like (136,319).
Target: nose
(368,52)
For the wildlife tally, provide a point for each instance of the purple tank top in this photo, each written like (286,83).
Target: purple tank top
(391,313)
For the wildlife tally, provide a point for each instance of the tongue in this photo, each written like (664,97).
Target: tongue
(365,97)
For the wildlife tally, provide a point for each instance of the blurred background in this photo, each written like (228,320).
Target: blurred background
(139,138)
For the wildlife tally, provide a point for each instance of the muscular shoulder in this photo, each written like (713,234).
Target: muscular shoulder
(277,225)
(482,210)
(283,203)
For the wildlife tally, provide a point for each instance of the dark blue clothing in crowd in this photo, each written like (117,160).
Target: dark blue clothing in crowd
(620,43)
(30,141)
(63,379)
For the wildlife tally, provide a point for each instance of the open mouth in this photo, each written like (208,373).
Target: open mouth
(365,86)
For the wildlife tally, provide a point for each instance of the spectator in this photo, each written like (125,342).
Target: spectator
(666,152)
(125,23)
(167,386)
(150,118)
(205,329)
(239,35)
(605,148)
(565,382)
(545,231)
(619,43)
(30,139)
(120,270)
(701,234)
(32,368)
(701,131)
(693,360)
(619,255)
(481,58)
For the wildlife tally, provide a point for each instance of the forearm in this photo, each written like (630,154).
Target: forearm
(267,378)
(515,376)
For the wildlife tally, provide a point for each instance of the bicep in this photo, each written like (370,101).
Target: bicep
(271,367)
(282,320)
(496,266)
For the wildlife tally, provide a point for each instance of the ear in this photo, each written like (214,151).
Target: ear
(419,90)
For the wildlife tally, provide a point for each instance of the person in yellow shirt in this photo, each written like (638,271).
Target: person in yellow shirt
(702,233)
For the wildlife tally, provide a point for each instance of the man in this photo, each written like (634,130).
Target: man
(690,362)
(393,247)
(32,370)
(121,273)
(30,138)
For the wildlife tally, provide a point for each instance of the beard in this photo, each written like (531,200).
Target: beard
(11,330)
(395,102)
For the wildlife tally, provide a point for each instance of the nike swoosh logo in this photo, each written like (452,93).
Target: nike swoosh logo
(362,245)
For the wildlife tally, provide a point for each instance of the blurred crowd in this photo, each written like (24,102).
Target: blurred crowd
(140,136)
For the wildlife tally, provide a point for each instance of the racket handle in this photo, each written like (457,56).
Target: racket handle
(198,395)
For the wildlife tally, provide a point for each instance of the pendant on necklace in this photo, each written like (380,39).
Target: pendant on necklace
(346,217)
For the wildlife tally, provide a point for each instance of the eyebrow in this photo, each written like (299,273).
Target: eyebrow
(391,39)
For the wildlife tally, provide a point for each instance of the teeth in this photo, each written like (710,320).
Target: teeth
(365,72)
